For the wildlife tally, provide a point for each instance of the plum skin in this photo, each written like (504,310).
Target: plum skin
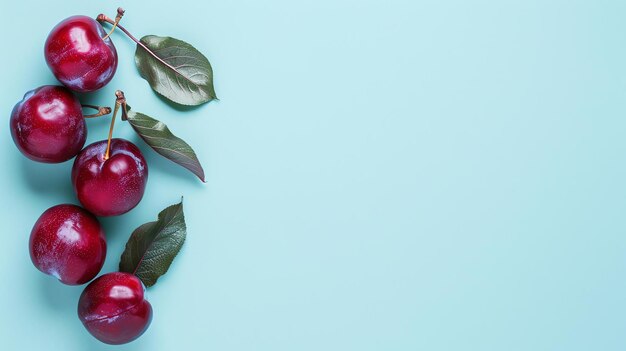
(78,56)
(68,243)
(113,186)
(113,308)
(48,125)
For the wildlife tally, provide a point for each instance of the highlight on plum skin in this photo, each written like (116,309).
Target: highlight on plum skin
(68,242)
(113,308)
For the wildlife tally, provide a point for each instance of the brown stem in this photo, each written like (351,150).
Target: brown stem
(119,101)
(120,98)
(104,18)
(118,18)
(108,151)
(102,110)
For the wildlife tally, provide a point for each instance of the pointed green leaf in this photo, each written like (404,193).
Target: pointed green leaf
(186,79)
(158,136)
(152,247)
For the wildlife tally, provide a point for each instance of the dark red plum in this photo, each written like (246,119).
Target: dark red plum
(78,55)
(68,243)
(48,125)
(113,186)
(113,308)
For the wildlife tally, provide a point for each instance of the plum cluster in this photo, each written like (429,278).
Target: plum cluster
(108,176)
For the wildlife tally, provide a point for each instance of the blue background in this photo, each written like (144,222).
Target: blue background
(382,175)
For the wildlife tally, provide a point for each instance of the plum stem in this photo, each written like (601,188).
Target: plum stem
(118,18)
(102,110)
(119,101)
(106,154)
(104,18)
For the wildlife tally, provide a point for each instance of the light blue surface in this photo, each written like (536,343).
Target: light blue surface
(382,175)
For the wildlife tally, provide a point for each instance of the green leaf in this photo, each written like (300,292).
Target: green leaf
(152,247)
(187,79)
(158,136)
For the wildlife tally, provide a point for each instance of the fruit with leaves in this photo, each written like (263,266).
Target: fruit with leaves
(109,177)
(68,243)
(173,68)
(48,125)
(113,308)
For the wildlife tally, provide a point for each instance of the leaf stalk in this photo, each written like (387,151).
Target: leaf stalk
(104,18)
